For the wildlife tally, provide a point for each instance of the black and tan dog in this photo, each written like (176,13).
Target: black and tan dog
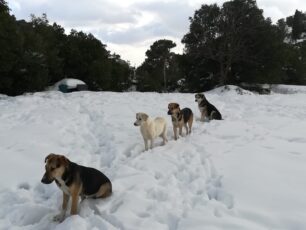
(75,180)
(180,118)
(207,110)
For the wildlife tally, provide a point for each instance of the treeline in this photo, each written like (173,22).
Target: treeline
(35,54)
(229,44)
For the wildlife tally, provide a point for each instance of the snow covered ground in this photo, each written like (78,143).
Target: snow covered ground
(244,172)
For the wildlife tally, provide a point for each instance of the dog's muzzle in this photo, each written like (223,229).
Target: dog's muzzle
(196,100)
(169,112)
(135,124)
(46,180)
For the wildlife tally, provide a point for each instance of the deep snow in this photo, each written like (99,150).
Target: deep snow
(244,172)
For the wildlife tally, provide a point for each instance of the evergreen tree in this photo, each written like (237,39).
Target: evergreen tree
(32,71)
(53,37)
(231,44)
(121,74)
(11,45)
(160,71)
(295,52)
(298,25)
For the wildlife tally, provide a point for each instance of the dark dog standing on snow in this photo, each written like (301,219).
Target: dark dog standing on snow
(207,110)
(180,118)
(75,180)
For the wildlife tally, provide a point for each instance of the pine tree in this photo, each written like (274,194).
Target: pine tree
(298,25)
(159,72)
(231,44)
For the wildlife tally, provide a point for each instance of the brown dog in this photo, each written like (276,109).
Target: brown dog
(75,180)
(180,118)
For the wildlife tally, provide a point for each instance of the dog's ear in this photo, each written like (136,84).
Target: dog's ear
(173,105)
(200,95)
(49,156)
(145,117)
(62,160)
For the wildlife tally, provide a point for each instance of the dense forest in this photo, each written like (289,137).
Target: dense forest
(229,44)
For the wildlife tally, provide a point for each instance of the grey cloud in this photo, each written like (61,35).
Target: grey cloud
(174,14)
(78,12)
(101,17)
(285,7)
(136,34)
(171,21)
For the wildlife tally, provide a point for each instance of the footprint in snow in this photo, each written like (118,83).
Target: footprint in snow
(216,192)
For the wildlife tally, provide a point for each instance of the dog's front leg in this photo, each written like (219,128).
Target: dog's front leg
(151,143)
(164,136)
(180,130)
(175,132)
(74,200)
(146,144)
(61,216)
(204,114)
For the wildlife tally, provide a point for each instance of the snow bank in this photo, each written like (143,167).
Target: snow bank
(288,89)
(244,172)
(230,90)
(278,89)
(3,96)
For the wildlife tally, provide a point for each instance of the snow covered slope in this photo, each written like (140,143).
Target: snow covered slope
(244,172)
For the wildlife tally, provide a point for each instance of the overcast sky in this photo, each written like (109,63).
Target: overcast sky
(129,27)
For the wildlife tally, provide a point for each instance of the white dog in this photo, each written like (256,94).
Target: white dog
(151,129)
